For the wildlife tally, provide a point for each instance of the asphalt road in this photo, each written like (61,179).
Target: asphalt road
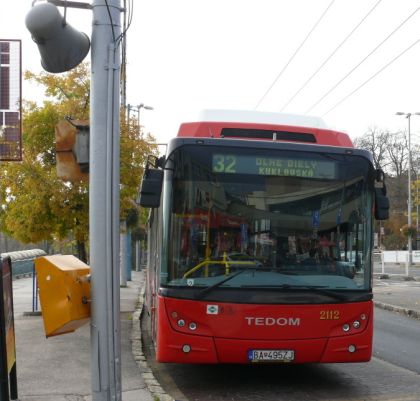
(396,340)
(392,375)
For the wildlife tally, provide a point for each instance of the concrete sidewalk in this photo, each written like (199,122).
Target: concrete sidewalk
(58,368)
(398,294)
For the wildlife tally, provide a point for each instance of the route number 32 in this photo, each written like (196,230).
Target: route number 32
(224,164)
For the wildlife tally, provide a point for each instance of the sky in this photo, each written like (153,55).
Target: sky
(188,55)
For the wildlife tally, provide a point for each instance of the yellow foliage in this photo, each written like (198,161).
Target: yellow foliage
(34,204)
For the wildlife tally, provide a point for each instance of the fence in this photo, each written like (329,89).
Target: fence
(398,257)
(23,261)
(23,265)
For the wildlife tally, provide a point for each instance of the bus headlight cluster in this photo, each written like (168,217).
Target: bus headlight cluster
(356,324)
(182,323)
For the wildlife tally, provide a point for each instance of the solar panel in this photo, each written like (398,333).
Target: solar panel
(10,100)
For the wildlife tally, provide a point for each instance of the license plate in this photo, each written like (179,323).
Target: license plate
(271,355)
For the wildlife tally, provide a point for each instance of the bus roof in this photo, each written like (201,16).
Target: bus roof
(256,125)
(261,117)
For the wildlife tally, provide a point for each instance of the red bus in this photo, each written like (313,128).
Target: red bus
(260,242)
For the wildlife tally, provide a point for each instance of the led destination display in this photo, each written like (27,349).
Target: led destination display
(279,166)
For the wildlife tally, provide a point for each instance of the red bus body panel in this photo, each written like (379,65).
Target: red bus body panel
(314,332)
(214,129)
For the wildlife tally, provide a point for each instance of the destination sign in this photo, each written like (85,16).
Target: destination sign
(273,166)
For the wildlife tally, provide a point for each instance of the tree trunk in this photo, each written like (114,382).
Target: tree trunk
(81,251)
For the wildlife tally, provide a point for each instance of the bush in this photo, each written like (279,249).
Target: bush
(394,242)
(409,231)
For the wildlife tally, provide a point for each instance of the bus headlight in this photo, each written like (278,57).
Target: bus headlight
(192,326)
(352,348)
(186,348)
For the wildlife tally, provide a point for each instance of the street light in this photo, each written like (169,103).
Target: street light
(144,106)
(410,240)
(137,110)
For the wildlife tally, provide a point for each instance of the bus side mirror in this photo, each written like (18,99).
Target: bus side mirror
(151,188)
(381,204)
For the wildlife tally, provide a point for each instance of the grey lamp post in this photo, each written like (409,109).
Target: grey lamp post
(410,239)
(62,48)
(142,106)
(137,109)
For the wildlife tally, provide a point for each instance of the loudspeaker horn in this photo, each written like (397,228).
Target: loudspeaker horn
(61,46)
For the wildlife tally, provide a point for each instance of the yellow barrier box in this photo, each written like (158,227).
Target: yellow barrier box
(64,293)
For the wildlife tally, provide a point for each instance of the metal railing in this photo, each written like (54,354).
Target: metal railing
(23,265)
(392,262)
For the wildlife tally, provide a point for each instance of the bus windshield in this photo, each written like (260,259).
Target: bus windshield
(258,218)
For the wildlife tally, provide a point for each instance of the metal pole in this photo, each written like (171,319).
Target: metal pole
(128,115)
(128,261)
(104,202)
(383,262)
(410,240)
(417,207)
(380,235)
(137,256)
(138,115)
(123,254)
(124,59)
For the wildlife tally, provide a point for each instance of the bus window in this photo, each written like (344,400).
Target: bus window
(250,212)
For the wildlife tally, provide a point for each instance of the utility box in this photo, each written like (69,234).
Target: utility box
(72,149)
(64,293)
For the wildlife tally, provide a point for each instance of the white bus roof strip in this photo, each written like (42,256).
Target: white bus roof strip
(259,117)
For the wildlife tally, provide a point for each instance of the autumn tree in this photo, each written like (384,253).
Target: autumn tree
(35,204)
(376,141)
(135,147)
(390,152)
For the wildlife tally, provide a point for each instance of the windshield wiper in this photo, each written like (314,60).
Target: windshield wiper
(320,289)
(202,293)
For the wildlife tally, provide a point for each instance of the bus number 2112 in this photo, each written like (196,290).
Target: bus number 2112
(329,315)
